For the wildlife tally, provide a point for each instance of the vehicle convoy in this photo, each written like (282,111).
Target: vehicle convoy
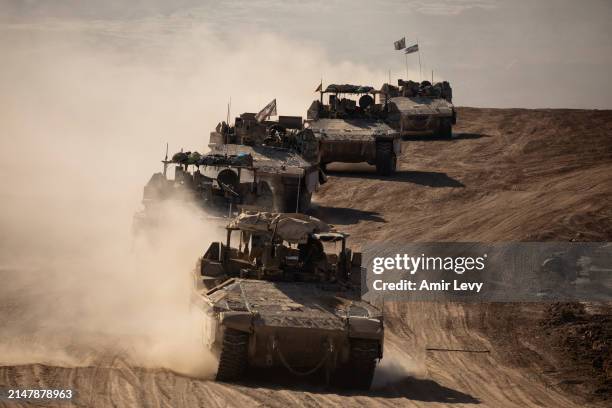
(420,108)
(283,298)
(257,163)
(352,131)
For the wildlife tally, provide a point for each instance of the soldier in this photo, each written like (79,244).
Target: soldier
(312,255)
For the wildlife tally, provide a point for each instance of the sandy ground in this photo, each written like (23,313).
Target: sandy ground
(507,175)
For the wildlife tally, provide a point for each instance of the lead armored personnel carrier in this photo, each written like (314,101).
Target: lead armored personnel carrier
(283,297)
(354,131)
(420,108)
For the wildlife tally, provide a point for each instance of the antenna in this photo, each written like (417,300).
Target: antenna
(165,161)
(226,141)
(229,106)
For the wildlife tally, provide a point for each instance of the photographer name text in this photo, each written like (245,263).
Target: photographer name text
(425,285)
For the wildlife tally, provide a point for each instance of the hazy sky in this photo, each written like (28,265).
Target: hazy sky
(514,53)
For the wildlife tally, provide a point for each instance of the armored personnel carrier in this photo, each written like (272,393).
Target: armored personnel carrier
(161,189)
(288,296)
(353,131)
(420,108)
(284,172)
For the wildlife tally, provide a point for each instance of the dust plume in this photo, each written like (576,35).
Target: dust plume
(120,297)
(86,110)
(397,366)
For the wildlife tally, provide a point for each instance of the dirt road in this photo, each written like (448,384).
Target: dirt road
(507,175)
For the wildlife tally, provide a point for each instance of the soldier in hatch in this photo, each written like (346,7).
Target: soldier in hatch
(312,255)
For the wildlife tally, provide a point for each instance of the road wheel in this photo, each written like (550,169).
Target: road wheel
(234,355)
(385,158)
(445,130)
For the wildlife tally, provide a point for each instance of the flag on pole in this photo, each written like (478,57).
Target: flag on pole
(411,49)
(400,44)
(265,113)
(320,87)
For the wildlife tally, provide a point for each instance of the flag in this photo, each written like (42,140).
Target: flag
(411,49)
(400,44)
(319,88)
(265,113)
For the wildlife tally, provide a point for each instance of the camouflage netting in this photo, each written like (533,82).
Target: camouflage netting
(412,89)
(196,159)
(294,228)
(347,88)
(238,160)
(186,158)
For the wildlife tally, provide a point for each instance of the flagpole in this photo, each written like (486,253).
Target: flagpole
(406,63)
(229,106)
(420,69)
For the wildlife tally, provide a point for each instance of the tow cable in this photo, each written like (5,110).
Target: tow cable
(328,351)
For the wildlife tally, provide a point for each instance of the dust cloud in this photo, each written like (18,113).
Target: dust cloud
(86,110)
(123,297)
(396,366)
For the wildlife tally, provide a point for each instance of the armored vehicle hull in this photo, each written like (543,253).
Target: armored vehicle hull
(300,327)
(233,176)
(422,116)
(419,109)
(356,141)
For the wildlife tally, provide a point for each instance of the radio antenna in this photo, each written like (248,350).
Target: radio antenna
(165,161)
(229,107)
